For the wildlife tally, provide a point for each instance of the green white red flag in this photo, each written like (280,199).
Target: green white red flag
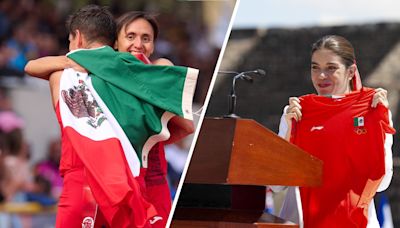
(114,116)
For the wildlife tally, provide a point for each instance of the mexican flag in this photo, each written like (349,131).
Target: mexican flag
(358,121)
(114,116)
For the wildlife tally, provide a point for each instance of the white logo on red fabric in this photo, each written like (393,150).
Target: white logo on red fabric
(155,219)
(317,128)
(88,222)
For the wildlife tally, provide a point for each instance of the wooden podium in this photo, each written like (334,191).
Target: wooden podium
(233,161)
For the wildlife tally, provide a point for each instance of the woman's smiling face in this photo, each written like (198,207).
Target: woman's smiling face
(329,75)
(136,37)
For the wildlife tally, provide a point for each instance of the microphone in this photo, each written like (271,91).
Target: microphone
(232,97)
(249,78)
(257,71)
(244,75)
(261,72)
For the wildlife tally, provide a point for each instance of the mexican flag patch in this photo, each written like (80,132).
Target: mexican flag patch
(358,121)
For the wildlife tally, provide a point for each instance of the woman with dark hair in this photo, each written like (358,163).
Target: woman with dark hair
(136,34)
(349,128)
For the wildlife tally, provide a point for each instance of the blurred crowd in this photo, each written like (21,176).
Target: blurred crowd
(28,30)
(36,28)
(19,180)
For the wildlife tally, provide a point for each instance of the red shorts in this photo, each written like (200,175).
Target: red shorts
(76,202)
(160,197)
(157,189)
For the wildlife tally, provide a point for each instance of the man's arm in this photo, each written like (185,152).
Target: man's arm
(54,82)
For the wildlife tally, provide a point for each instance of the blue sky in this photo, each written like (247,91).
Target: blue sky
(295,13)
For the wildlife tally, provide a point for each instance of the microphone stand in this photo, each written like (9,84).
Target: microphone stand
(232,99)
(232,95)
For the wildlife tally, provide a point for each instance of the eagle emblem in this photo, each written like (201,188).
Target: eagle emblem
(81,103)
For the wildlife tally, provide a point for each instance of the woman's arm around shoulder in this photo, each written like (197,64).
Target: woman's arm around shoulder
(45,66)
